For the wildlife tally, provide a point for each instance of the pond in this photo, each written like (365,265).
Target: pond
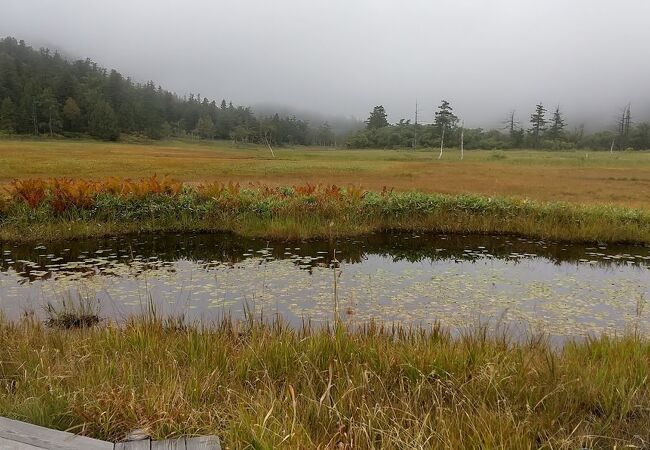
(558,288)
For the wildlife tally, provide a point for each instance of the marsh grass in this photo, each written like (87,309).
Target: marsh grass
(266,385)
(73,312)
(116,206)
(620,178)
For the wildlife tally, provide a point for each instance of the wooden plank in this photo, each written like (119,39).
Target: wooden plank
(6,444)
(34,435)
(169,444)
(142,444)
(203,443)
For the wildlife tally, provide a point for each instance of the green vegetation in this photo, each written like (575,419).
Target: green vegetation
(63,208)
(543,133)
(42,93)
(271,386)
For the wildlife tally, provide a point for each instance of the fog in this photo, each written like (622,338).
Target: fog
(342,57)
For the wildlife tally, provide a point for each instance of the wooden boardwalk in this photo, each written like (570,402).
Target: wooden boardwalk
(15,435)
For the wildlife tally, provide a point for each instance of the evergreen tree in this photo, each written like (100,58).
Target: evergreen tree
(517,138)
(241,134)
(102,122)
(49,111)
(7,115)
(641,136)
(325,136)
(444,118)
(538,124)
(71,114)
(66,87)
(205,127)
(378,118)
(166,130)
(126,117)
(556,130)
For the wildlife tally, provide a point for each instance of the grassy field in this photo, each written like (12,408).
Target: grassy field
(267,386)
(622,178)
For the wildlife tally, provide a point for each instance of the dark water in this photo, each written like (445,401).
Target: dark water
(563,289)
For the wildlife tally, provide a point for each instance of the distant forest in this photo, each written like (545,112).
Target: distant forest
(539,130)
(42,93)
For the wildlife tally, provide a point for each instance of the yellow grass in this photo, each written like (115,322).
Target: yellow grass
(575,176)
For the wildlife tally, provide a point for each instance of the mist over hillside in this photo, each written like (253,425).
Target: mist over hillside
(341,125)
(341,58)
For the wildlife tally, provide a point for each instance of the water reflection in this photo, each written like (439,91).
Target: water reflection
(561,288)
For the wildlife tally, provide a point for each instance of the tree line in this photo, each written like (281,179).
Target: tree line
(43,93)
(544,131)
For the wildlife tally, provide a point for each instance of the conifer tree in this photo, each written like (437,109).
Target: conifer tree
(7,115)
(444,118)
(378,118)
(205,127)
(49,110)
(538,124)
(102,122)
(557,124)
(71,114)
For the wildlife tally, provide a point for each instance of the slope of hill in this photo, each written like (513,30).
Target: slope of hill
(41,92)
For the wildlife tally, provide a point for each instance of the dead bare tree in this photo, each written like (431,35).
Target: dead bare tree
(510,123)
(624,126)
(442,142)
(415,127)
(268,141)
(462,141)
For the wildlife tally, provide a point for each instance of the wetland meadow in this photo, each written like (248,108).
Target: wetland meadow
(332,225)
(346,299)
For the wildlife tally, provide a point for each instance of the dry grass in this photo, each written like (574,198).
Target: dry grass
(66,193)
(268,386)
(622,178)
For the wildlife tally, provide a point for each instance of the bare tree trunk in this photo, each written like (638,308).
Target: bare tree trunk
(415,128)
(442,142)
(268,144)
(462,144)
(611,149)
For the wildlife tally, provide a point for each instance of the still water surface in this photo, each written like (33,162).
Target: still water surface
(562,289)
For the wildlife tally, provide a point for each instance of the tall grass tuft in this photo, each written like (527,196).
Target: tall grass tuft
(73,312)
(265,385)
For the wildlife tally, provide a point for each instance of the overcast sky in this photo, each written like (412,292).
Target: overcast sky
(344,56)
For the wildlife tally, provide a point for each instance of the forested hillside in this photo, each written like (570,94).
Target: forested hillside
(43,93)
